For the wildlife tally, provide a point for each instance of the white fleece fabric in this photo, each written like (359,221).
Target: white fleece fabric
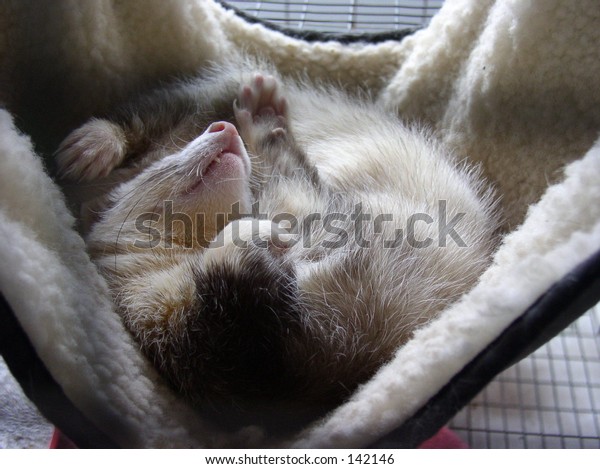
(514,85)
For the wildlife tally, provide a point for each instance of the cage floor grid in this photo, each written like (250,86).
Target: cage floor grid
(551,399)
(342,16)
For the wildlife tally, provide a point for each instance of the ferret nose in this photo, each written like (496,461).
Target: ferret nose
(222,126)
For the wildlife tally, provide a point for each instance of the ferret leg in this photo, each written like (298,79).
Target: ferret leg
(261,113)
(234,241)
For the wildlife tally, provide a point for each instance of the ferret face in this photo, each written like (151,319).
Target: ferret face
(181,198)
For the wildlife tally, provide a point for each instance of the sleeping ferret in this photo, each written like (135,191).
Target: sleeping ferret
(271,243)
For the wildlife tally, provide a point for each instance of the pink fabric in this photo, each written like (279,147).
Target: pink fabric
(444,439)
(60,441)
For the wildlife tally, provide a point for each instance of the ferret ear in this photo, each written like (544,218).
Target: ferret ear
(92,151)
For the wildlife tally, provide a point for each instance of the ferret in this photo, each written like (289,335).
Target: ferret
(272,242)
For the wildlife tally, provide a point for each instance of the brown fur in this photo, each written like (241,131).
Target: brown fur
(268,328)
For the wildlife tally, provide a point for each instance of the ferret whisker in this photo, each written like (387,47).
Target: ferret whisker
(160,177)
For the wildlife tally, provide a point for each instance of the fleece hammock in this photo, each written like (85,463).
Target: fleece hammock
(512,85)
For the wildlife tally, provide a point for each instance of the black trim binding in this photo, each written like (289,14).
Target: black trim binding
(319,36)
(41,388)
(562,304)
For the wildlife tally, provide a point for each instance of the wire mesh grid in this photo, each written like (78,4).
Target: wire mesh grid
(551,399)
(342,16)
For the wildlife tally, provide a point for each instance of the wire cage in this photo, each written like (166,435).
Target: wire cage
(551,399)
(342,16)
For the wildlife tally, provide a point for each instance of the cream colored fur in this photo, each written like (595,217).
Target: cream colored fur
(353,304)
(509,83)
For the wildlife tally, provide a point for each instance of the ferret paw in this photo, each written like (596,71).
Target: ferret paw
(242,236)
(260,109)
(92,151)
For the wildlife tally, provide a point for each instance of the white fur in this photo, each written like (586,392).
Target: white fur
(449,75)
(356,302)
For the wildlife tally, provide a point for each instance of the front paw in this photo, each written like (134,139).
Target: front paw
(261,110)
(92,151)
(244,236)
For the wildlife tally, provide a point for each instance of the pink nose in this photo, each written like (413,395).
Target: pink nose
(222,126)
